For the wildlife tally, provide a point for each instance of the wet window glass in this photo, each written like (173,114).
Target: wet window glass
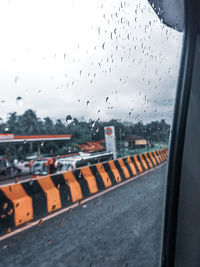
(87,98)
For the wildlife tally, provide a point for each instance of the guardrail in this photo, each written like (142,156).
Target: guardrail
(27,201)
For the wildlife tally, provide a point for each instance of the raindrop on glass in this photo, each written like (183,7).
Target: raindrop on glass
(111,37)
(16,80)
(19,101)
(3,102)
(69,119)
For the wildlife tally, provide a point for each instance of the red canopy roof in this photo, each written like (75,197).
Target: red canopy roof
(7,138)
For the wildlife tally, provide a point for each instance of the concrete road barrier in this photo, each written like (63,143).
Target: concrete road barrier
(32,200)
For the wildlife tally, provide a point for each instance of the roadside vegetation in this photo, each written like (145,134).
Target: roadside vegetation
(156,132)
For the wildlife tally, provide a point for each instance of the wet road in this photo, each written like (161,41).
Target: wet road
(6,179)
(120,228)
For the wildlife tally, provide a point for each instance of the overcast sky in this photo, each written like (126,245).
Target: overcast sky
(93,59)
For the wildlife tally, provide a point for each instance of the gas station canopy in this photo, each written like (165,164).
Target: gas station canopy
(11,138)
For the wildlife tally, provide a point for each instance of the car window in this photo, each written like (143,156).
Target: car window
(92,83)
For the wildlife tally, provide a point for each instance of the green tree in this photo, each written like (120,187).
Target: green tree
(30,123)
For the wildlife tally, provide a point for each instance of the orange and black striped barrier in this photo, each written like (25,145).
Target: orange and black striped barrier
(29,201)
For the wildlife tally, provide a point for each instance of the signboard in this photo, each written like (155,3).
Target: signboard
(141,142)
(108,131)
(110,140)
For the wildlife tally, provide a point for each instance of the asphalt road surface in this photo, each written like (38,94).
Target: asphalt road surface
(6,179)
(120,228)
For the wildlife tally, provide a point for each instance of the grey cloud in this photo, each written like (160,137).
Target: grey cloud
(56,85)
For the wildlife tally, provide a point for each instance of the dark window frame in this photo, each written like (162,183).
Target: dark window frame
(187,70)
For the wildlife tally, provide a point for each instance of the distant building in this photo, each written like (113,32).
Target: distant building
(135,141)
